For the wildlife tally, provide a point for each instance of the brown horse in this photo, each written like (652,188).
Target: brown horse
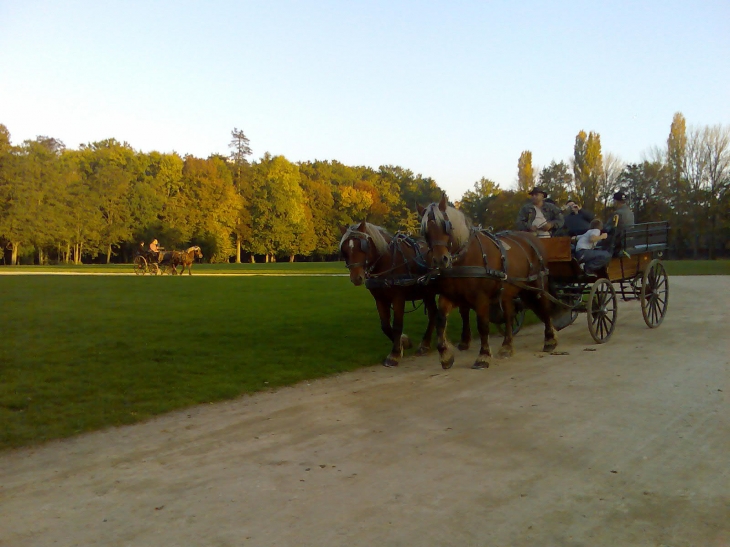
(394,269)
(478,268)
(185,258)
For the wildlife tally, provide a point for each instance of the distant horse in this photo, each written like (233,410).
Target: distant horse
(394,269)
(185,258)
(478,268)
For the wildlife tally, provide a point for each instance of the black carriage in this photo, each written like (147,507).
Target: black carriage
(153,263)
(638,274)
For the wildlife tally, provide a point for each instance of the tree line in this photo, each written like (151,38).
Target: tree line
(98,202)
(685,182)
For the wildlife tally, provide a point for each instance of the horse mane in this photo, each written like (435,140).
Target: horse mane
(460,225)
(192,249)
(377,235)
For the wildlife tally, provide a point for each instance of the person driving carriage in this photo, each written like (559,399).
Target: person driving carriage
(540,217)
(155,252)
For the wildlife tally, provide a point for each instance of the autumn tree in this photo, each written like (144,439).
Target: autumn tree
(525,172)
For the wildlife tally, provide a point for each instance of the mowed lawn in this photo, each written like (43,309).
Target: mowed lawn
(82,353)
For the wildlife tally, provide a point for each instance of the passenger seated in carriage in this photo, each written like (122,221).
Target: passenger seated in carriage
(540,217)
(591,259)
(577,219)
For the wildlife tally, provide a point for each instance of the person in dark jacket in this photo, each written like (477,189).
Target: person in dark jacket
(539,216)
(577,219)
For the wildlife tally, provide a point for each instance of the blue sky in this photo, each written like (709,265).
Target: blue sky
(453,90)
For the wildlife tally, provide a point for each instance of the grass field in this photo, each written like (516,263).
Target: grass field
(81,353)
(271,268)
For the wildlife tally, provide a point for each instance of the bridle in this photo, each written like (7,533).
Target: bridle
(448,228)
(365,240)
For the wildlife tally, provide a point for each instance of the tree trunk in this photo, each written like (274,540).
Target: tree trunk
(291,258)
(40,256)
(68,252)
(109,254)
(238,249)
(14,255)
(252,259)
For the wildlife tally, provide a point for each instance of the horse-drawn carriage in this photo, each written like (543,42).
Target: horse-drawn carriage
(638,273)
(500,276)
(165,262)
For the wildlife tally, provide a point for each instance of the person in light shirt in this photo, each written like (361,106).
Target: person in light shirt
(539,216)
(592,259)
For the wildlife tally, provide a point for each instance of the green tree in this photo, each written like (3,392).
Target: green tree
(478,203)
(557,181)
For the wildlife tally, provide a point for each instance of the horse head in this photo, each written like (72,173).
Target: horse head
(361,245)
(445,230)
(198,252)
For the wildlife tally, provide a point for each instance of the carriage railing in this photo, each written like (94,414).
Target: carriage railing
(646,237)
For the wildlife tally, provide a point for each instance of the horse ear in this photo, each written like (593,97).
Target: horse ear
(443,203)
(363,227)
(421,209)
(343,229)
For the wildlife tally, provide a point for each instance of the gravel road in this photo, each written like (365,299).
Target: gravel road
(621,445)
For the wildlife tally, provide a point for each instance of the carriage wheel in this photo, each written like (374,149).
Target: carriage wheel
(154,268)
(140,265)
(602,310)
(517,322)
(654,294)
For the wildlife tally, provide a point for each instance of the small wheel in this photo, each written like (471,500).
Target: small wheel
(154,268)
(140,265)
(517,322)
(654,294)
(602,310)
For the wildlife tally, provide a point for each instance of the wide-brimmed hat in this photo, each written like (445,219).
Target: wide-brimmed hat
(538,190)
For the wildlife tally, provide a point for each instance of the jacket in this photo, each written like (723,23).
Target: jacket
(552,214)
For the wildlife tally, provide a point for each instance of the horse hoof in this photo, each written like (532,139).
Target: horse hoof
(550,346)
(479,365)
(463,346)
(505,353)
(405,342)
(390,362)
(423,350)
(448,363)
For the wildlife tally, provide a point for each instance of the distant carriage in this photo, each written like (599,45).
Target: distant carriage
(166,262)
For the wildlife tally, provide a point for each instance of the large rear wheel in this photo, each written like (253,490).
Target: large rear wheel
(602,310)
(140,265)
(654,294)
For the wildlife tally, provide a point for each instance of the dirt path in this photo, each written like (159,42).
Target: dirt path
(626,445)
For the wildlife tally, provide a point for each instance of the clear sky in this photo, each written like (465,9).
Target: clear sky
(453,90)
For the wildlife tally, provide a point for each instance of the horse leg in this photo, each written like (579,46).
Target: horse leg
(465,328)
(482,309)
(399,305)
(384,313)
(508,308)
(190,269)
(445,353)
(541,307)
(430,303)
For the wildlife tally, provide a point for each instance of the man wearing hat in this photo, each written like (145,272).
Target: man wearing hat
(539,216)
(622,218)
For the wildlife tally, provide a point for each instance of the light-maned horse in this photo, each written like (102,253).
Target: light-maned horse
(185,259)
(391,266)
(478,268)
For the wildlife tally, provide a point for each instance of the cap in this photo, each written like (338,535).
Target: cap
(538,190)
(620,196)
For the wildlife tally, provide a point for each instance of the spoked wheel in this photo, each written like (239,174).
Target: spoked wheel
(654,294)
(154,268)
(636,284)
(517,321)
(602,310)
(140,265)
